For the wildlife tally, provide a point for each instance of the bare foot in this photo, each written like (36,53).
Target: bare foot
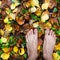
(32,42)
(49,43)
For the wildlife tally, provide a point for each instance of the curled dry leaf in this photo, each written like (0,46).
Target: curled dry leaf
(27,16)
(34,3)
(26,26)
(52,4)
(53,20)
(33,9)
(54,15)
(16,27)
(35,24)
(45,16)
(15,56)
(20,20)
(38,12)
(56,27)
(47,25)
(28,4)
(45,6)
(21,51)
(40,34)
(40,42)
(19,42)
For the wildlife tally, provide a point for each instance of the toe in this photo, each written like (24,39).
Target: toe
(31,31)
(55,37)
(35,32)
(51,32)
(47,32)
(26,38)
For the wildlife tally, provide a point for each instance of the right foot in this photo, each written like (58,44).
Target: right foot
(49,43)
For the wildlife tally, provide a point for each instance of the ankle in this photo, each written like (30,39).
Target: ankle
(49,57)
(32,57)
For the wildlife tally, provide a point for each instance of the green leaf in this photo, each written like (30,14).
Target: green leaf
(57,40)
(12,53)
(53,28)
(13,1)
(11,37)
(24,43)
(0,41)
(33,16)
(12,41)
(24,11)
(0,58)
(1,52)
(58,32)
(3,46)
(0,15)
(25,55)
(57,1)
(39,29)
(59,18)
(55,9)
(58,52)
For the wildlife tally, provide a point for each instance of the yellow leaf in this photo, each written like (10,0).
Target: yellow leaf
(8,27)
(6,20)
(56,56)
(12,6)
(0,2)
(4,40)
(15,49)
(39,47)
(35,24)
(44,17)
(5,49)
(57,47)
(21,51)
(1,32)
(33,9)
(5,56)
(49,24)
(35,3)
(12,16)
(45,6)
(38,12)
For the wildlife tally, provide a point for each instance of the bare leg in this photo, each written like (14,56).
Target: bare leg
(32,42)
(49,43)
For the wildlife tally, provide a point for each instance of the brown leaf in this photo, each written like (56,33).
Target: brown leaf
(52,4)
(53,20)
(20,21)
(40,34)
(27,16)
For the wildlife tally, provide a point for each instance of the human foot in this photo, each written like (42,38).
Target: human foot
(49,43)
(32,42)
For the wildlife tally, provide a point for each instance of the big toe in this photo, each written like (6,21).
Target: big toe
(31,32)
(36,32)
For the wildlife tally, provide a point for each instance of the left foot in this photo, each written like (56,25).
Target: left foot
(32,42)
